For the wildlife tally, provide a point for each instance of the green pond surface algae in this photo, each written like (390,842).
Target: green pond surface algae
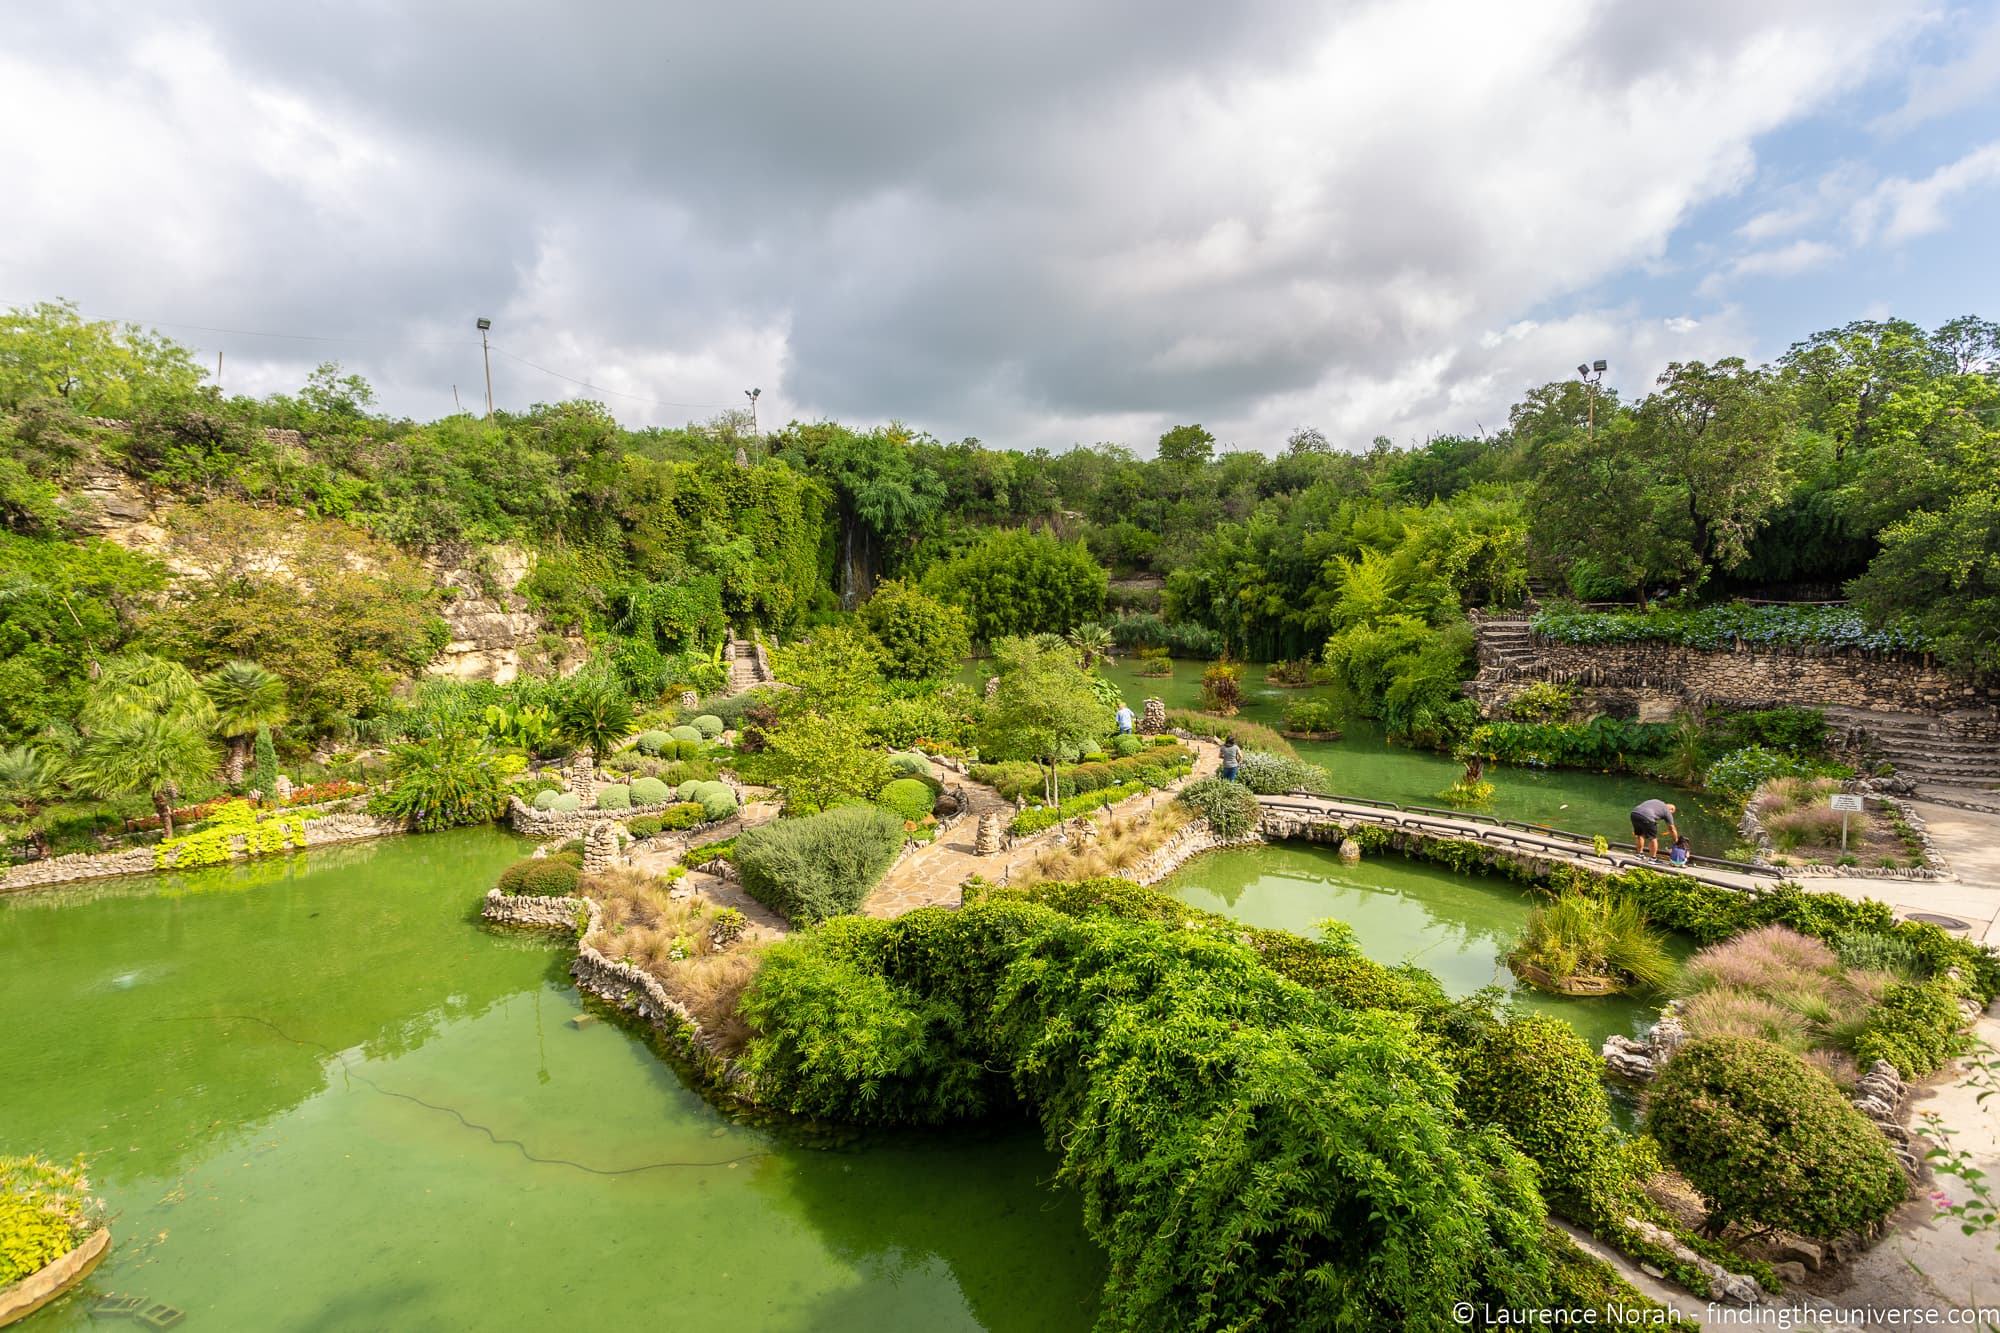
(316,1094)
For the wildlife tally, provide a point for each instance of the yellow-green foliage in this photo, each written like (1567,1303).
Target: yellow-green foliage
(45,1212)
(215,842)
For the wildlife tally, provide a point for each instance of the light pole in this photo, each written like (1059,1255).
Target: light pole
(486,355)
(1592,375)
(753,395)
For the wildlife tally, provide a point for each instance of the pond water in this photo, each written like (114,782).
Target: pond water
(1456,927)
(315,1093)
(1362,763)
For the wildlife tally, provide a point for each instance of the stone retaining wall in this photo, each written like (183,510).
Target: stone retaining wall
(1753,677)
(321,832)
(560,825)
(624,987)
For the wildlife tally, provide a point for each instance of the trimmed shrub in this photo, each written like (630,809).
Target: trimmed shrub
(545,800)
(909,797)
(823,865)
(1532,1076)
(617,796)
(1915,1028)
(565,803)
(1769,1140)
(688,814)
(649,791)
(910,764)
(1229,807)
(543,876)
(653,742)
(645,826)
(1274,774)
(1125,745)
(686,790)
(1038,817)
(709,725)
(717,804)
(686,735)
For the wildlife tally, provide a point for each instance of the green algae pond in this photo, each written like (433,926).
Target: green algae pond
(316,1094)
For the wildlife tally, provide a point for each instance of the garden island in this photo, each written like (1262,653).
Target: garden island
(517,870)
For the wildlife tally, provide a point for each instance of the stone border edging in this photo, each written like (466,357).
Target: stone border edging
(328,829)
(54,1278)
(621,985)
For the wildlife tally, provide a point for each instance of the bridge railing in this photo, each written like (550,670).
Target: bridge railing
(1433,815)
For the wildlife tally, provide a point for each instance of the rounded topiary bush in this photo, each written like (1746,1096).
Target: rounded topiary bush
(1534,1078)
(683,816)
(909,797)
(542,876)
(565,803)
(617,796)
(649,791)
(1125,745)
(708,724)
(545,800)
(823,865)
(653,742)
(718,804)
(686,734)
(686,790)
(910,764)
(1770,1141)
(645,826)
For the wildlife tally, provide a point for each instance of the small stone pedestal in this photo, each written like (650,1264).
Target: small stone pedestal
(600,847)
(1154,720)
(689,699)
(583,780)
(988,839)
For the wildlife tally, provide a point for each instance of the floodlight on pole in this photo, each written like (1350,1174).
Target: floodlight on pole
(1591,375)
(486,355)
(753,395)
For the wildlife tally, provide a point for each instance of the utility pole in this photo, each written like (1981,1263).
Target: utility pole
(218,367)
(753,395)
(486,355)
(456,406)
(1591,375)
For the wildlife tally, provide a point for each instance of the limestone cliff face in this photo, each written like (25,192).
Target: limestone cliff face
(494,636)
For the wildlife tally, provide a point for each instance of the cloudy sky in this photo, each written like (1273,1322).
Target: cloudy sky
(1038,223)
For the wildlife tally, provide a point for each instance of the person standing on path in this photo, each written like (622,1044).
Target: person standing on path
(1647,817)
(1124,718)
(1232,759)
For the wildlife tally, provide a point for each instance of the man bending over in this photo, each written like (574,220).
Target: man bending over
(1647,817)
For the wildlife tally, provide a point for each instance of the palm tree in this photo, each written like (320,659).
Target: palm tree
(28,778)
(594,712)
(152,755)
(138,685)
(246,697)
(1092,643)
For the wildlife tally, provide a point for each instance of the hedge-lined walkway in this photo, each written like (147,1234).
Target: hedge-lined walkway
(931,876)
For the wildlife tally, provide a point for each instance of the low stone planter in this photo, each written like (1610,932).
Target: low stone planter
(1542,979)
(37,1289)
(1311,735)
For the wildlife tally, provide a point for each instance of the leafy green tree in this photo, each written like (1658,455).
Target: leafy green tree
(264,764)
(247,699)
(839,667)
(1593,507)
(1715,436)
(1186,447)
(64,608)
(155,755)
(1045,707)
(1016,582)
(97,368)
(139,685)
(442,782)
(922,638)
(821,759)
(1941,572)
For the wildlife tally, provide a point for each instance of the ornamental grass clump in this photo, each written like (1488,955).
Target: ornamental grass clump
(1780,986)
(1770,1141)
(1582,942)
(1270,774)
(1229,807)
(820,866)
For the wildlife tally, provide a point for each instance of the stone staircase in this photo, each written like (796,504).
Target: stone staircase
(1504,646)
(1942,754)
(747,668)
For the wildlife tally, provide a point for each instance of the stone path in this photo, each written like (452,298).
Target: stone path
(932,875)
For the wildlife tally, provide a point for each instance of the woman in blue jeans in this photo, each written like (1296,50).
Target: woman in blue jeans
(1232,759)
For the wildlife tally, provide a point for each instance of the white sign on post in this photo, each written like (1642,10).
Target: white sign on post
(1847,805)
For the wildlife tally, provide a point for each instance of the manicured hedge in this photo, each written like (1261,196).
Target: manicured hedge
(1721,626)
(553,876)
(1036,818)
(686,735)
(823,865)
(650,791)
(617,796)
(911,798)
(1154,766)
(1770,1141)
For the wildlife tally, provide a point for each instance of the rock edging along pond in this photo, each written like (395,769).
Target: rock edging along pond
(39,1288)
(624,987)
(326,830)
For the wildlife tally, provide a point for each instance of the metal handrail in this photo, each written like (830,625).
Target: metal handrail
(1539,830)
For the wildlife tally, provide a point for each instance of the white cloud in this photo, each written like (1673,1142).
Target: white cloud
(1900,209)
(1038,224)
(1937,90)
